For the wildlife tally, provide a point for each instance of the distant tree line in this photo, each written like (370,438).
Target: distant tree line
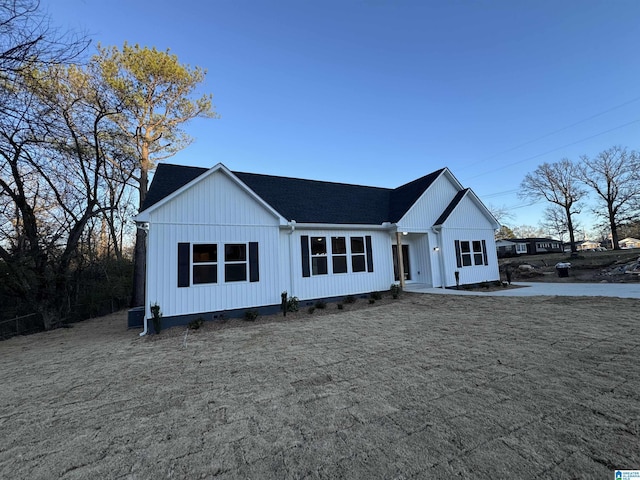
(78,140)
(613,177)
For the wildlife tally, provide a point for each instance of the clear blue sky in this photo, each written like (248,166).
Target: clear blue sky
(380,92)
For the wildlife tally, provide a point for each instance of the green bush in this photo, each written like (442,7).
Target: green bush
(340,306)
(250,315)
(196,324)
(320,304)
(350,299)
(375,296)
(372,300)
(293,304)
(311,310)
(395,290)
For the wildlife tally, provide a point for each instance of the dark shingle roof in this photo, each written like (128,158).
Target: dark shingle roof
(451,207)
(307,201)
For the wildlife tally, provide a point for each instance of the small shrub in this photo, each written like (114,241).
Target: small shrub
(340,306)
(196,324)
(372,300)
(395,290)
(293,304)
(350,299)
(375,296)
(320,305)
(250,315)
(311,310)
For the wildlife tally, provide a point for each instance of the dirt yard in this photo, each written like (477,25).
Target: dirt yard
(425,387)
(611,266)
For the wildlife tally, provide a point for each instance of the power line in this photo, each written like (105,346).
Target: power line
(555,149)
(499,194)
(556,131)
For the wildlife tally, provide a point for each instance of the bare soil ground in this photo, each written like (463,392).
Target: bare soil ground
(608,266)
(429,386)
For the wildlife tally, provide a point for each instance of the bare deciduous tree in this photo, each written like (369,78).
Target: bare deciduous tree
(557,183)
(614,175)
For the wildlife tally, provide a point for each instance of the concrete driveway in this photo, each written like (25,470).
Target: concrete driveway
(530,289)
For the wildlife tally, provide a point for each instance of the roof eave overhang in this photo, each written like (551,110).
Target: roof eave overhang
(145,216)
(338,226)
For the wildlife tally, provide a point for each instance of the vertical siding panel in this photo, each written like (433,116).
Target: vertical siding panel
(430,206)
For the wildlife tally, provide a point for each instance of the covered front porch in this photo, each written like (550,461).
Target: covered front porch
(415,259)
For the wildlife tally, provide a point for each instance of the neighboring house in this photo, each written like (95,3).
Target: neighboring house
(506,248)
(629,243)
(588,245)
(532,246)
(220,241)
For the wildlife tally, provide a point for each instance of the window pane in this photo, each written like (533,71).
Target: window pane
(358,263)
(235,272)
(340,264)
(357,244)
(205,274)
(477,246)
(235,252)
(477,258)
(338,245)
(319,265)
(466,260)
(205,253)
(465,247)
(318,246)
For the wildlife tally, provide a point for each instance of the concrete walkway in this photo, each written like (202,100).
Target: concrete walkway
(530,289)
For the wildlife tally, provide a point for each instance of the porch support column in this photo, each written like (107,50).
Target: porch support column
(400,259)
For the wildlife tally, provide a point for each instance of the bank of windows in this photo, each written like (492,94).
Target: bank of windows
(336,255)
(471,252)
(211,263)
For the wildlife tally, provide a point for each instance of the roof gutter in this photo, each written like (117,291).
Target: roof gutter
(337,226)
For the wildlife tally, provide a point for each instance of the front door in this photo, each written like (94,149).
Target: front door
(405,262)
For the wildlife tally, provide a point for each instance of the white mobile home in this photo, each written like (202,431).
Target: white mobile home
(221,241)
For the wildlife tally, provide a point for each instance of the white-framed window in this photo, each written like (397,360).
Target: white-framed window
(235,262)
(319,256)
(478,252)
(358,254)
(348,255)
(205,263)
(198,263)
(339,254)
(521,248)
(471,252)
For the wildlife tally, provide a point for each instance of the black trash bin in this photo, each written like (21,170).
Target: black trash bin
(563,269)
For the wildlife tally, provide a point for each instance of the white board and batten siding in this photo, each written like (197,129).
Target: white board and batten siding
(218,211)
(468,223)
(426,210)
(339,284)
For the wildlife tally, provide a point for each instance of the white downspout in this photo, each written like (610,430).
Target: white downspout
(292,224)
(145,227)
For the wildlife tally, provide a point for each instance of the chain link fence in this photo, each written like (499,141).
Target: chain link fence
(32,323)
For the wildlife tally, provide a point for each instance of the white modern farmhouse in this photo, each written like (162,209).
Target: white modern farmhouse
(223,241)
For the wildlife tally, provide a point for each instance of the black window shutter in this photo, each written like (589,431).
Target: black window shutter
(458,254)
(254,271)
(369,254)
(484,252)
(183,264)
(304,246)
